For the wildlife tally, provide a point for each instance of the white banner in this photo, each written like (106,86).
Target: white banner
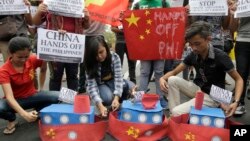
(220,95)
(68,8)
(13,7)
(208,7)
(54,46)
(176,3)
(243,9)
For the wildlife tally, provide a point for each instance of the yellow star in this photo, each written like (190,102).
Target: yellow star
(149,21)
(130,132)
(189,136)
(142,37)
(147,13)
(132,20)
(147,31)
(135,136)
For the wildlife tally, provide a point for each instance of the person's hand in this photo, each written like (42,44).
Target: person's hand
(61,31)
(103,110)
(27,3)
(42,8)
(232,6)
(229,109)
(163,85)
(31,116)
(121,16)
(187,7)
(115,103)
(86,12)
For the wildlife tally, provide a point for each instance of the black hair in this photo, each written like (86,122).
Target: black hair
(91,53)
(19,43)
(201,28)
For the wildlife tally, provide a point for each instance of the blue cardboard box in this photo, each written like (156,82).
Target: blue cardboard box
(134,112)
(213,117)
(57,114)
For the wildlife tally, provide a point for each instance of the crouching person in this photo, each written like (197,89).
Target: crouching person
(16,78)
(210,65)
(105,83)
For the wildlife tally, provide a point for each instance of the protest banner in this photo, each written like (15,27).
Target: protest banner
(54,46)
(13,7)
(72,8)
(208,7)
(153,34)
(243,9)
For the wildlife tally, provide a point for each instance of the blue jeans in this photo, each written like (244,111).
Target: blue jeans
(106,91)
(37,101)
(242,56)
(158,66)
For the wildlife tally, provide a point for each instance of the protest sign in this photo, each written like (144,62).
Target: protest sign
(221,95)
(54,46)
(208,7)
(243,9)
(69,8)
(153,34)
(13,7)
(67,95)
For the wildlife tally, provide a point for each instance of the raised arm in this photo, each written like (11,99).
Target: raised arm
(40,13)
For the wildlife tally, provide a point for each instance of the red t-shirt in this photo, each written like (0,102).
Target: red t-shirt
(22,84)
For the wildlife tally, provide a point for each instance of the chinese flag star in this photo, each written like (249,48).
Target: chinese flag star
(132,20)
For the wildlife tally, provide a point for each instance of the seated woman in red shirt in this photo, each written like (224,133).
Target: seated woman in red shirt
(16,78)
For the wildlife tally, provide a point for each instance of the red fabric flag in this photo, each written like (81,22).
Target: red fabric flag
(130,131)
(106,11)
(78,132)
(153,34)
(182,131)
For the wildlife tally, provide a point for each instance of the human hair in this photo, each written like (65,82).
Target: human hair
(201,28)
(19,43)
(91,53)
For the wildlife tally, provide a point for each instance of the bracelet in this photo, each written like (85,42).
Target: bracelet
(236,101)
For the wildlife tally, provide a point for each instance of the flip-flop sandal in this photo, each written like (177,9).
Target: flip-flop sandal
(8,131)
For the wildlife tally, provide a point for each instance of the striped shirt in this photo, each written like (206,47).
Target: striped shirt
(92,84)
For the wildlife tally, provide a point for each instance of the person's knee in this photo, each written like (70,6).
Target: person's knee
(172,80)
(106,95)
(176,111)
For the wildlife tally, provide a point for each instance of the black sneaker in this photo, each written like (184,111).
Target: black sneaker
(240,110)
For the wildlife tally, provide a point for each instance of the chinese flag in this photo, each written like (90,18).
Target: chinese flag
(106,11)
(153,34)
(182,131)
(77,132)
(130,131)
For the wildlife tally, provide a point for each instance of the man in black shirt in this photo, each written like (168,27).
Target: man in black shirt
(210,65)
